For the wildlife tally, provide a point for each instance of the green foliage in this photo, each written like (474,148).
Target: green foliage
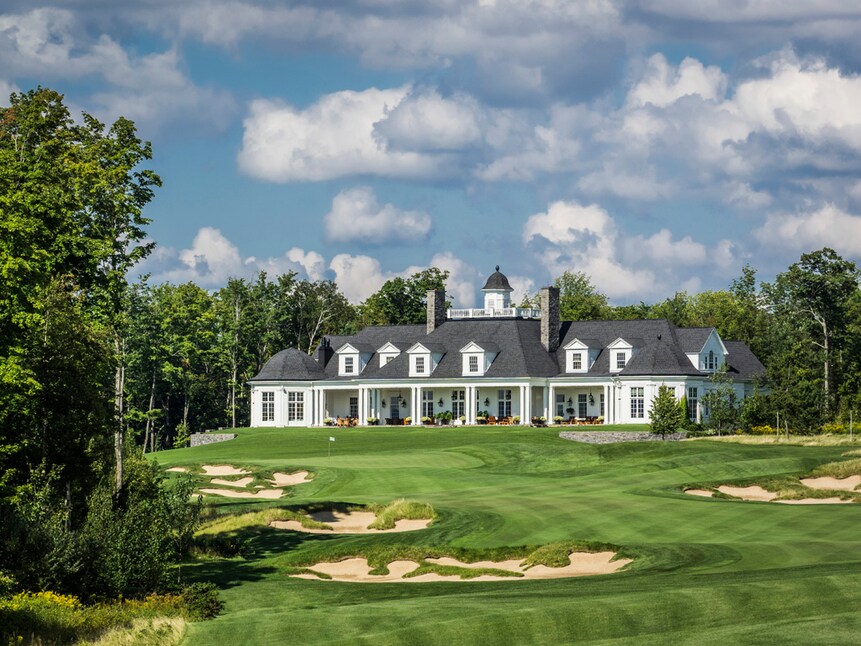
(665,415)
(401,300)
(200,601)
(579,300)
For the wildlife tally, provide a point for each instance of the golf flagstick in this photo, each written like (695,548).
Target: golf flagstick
(329,447)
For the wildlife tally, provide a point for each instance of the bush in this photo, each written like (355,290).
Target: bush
(763,430)
(835,429)
(200,601)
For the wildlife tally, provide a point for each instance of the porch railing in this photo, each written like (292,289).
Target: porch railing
(486,313)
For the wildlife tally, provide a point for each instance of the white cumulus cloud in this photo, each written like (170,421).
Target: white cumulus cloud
(357,216)
(332,138)
(828,226)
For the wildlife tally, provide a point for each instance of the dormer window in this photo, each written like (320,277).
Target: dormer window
(580,354)
(576,361)
(349,365)
(424,358)
(620,354)
(352,358)
(477,356)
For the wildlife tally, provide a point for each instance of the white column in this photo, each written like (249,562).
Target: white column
(545,402)
(416,407)
(552,405)
(469,407)
(607,418)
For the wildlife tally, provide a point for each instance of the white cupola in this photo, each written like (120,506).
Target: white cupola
(497,291)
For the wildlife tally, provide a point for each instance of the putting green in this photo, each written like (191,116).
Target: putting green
(706,570)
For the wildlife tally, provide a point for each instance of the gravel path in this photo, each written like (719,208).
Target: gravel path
(612,437)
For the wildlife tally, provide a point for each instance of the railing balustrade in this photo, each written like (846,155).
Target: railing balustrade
(507,312)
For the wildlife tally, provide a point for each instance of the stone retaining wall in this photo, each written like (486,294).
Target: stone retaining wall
(612,437)
(199,439)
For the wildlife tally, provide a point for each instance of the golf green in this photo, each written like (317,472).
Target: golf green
(706,571)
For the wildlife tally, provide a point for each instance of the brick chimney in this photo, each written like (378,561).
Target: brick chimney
(436,309)
(550,324)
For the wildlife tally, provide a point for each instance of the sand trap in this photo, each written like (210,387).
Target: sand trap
(700,492)
(222,470)
(844,484)
(289,479)
(760,494)
(228,493)
(580,564)
(178,469)
(350,522)
(242,482)
(815,501)
(754,492)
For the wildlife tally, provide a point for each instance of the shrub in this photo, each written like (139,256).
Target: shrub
(835,429)
(763,430)
(200,601)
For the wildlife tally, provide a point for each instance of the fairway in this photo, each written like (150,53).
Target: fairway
(705,570)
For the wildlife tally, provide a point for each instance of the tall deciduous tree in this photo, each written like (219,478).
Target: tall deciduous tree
(815,293)
(579,299)
(401,301)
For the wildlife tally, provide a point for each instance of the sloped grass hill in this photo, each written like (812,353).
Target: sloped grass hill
(706,571)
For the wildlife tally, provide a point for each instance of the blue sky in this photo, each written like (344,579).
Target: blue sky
(658,145)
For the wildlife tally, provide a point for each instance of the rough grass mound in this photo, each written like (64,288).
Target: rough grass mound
(389,515)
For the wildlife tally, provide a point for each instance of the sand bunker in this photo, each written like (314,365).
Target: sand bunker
(222,470)
(815,501)
(700,492)
(754,492)
(843,484)
(358,570)
(289,479)
(242,482)
(349,522)
(178,469)
(758,493)
(262,493)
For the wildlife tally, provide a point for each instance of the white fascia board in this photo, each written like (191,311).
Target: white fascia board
(576,344)
(619,344)
(471,347)
(347,348)
(389,348)
(714,333)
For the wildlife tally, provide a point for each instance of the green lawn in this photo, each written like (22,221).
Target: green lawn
(708,571)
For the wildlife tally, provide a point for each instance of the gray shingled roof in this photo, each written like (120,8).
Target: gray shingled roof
(497,280)
(659,349)
(291,365)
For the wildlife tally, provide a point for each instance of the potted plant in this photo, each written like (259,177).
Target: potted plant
(558,419)
(408,421)
(427,420)
(444,417)
(372,421)
(515,419)
(600,419)
(329,421)
(462,419)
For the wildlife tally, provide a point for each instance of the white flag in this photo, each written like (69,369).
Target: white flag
(331,439)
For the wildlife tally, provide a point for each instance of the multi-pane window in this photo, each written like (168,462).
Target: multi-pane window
(637,410)
(354,407)
(349,365)
(387,359)
(504,401)
(295,406)
(620,360)
(581,406)
(710,361)
(560,405)
(427,403)
(576,361)
(693,396)
(473,364)
(420,365)
(268,412)
(458,403)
